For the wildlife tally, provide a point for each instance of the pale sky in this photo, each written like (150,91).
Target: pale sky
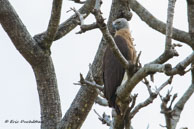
(72,55)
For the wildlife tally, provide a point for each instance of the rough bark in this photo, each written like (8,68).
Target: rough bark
(190,12)
(40,61)
(48,93)
(86,95)
(42,64)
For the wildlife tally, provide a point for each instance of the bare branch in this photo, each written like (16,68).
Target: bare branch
(70,23)
(88,83)
(53,24)
(171,5)
(169,81)
(102,102)
(180,67)
(85,28)
(105,118)
(18,33)
(178,108)
(81,17)
(149,100)
(158,25)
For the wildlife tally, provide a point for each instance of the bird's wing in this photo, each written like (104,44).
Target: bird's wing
(113,71)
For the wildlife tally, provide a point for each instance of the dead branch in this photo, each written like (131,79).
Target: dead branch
(80,16)
(131,111)
(85,28)
(102,102)
(104,118)
(180,67)
(70,23)
(84,82)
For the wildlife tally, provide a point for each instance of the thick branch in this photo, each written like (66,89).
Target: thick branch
(48,94)
(156,24)
(190,10)
(124,90)
(41,63)
(18,33)
(53,24)
(178,108)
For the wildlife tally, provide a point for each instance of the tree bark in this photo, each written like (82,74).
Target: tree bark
(40,61)
(78,111)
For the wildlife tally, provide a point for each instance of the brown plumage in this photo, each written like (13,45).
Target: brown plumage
(113,71)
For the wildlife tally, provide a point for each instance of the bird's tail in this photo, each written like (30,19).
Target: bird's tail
(113,104)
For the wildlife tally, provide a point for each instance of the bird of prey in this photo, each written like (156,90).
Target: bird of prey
(113,71)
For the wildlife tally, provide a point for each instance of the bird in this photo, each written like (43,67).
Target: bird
(113,71)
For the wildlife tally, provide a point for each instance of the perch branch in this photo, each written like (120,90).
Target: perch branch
(109,39)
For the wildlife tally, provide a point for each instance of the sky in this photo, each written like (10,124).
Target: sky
(72,55)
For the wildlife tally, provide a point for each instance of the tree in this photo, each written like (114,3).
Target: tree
(36,50)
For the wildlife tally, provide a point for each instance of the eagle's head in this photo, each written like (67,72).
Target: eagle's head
(120,23)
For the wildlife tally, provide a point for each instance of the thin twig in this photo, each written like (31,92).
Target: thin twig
(169,81)
(105,118)
(88,83)
(85,28)
(81,16)
(149,100)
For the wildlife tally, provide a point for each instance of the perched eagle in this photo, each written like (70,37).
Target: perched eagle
(113,71)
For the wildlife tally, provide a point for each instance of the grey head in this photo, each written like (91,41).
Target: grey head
(120,23)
